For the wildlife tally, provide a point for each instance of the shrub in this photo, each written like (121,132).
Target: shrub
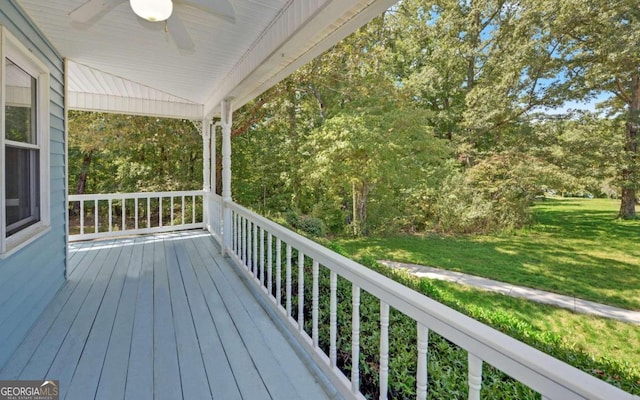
(493,195)
(307,224)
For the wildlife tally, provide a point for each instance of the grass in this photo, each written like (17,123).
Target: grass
(576,247)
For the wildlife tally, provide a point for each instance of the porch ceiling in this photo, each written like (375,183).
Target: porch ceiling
(121,63)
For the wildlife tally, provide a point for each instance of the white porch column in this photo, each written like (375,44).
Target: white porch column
(205,131)
(226,120)
(214,167)
(206,155)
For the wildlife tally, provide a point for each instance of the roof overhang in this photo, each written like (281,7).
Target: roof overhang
(118,63)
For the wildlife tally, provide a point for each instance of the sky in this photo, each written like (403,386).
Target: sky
(579,105)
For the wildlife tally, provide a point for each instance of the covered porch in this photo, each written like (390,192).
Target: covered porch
(240,307)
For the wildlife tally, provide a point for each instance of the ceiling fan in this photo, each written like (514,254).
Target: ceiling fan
(158,11)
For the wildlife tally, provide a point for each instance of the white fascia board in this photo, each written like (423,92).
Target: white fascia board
(134,106)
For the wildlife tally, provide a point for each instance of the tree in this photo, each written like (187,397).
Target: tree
(373,157)
(123,153)
(599,44)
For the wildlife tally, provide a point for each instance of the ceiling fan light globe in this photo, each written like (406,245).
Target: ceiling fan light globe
(152,10)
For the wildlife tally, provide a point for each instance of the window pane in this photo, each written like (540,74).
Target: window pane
(22,188)
(20,117)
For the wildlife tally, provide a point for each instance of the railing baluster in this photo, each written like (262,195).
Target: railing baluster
(236,229)
(193,208)
(475,377)
(110,215)
(421,378)
(239,233)
(300,290)
(355,339)
(136,212)
(288,280)
(95,216)
(384,350)
(315,298)
(269,263)
(261,256)
(333,319)
(278,271)
(124,215)
(160,211)
(240,236)
(249,256)
(182,210)
(244,242)
(82,217)
(254,242)
(171,215)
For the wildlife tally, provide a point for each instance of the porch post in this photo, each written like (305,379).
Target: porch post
(226,120)
(214,166)
(206,175)
(206,156)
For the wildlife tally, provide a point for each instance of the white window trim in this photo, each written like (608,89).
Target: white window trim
(12,48)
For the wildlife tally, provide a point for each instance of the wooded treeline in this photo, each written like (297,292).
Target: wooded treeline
(432,116)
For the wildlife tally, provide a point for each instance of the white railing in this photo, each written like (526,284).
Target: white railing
(94,216)
(266,251)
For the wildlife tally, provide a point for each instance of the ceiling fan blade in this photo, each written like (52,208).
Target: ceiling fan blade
(92,9)
(221,8)
(179,33)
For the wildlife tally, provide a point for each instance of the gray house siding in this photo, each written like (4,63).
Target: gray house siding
(31,277)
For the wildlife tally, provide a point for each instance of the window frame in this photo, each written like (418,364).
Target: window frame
(11,48)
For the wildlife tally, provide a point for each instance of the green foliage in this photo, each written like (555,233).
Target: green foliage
(493,195)
(307,224)
(121,153)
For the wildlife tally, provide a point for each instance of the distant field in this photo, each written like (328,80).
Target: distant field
(576,247)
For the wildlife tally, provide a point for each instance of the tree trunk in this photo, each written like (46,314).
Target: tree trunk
(359,199)
(82,180)
(631,170)
(84,173)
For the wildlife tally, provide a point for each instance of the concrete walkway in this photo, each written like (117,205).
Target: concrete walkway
(540,296)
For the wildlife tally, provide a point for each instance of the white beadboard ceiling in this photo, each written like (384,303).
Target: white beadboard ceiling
(121,63)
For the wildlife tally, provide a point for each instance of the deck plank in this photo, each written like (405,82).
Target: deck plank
(195,384)
(166,379)
(85,380)
(140,372)
(114,375)
(222,383)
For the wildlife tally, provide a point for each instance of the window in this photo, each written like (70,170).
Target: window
(25,135)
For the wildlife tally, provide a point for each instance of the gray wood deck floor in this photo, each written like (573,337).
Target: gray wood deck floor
(162,317)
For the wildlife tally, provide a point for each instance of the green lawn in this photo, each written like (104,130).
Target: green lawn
(576,247)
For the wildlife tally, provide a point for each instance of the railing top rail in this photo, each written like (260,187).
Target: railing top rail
(541,372)
(139,195)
